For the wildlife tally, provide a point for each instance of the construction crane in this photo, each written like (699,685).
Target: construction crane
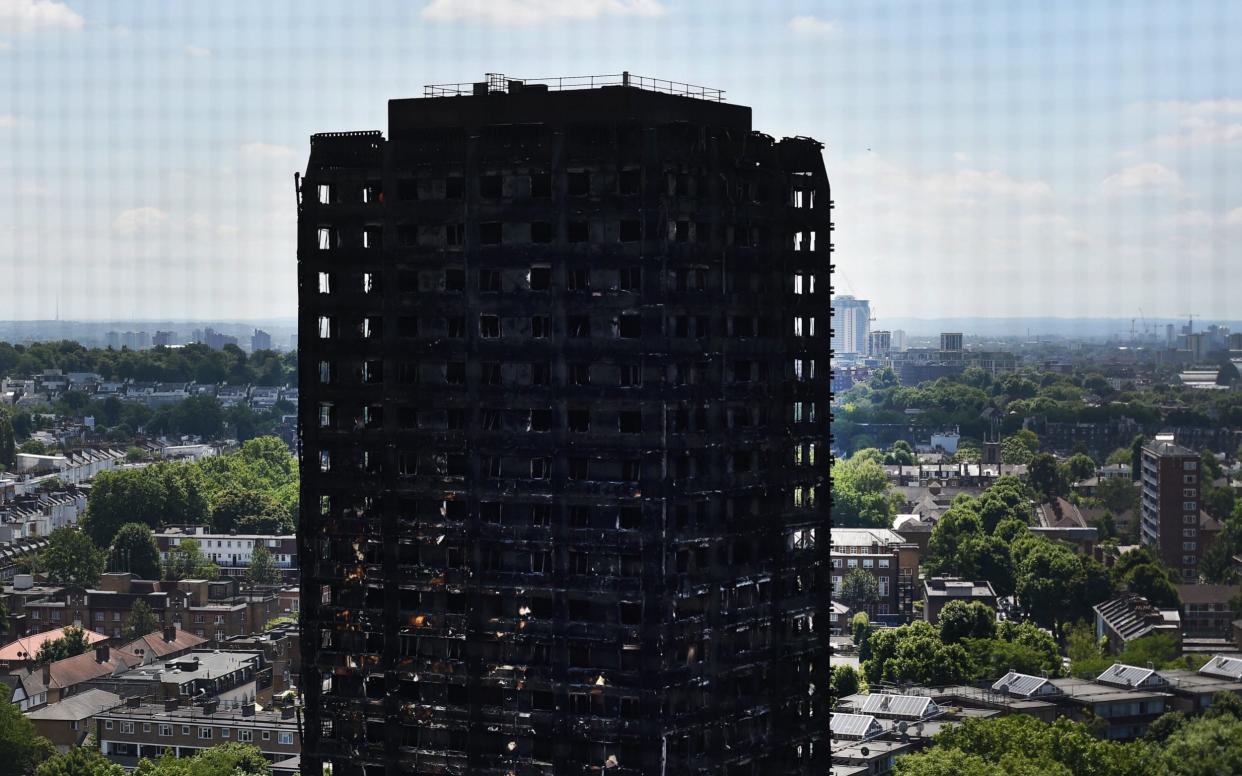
(1146,325)
(1190,325)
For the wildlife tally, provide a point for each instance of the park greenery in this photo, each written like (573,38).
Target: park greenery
(967,646)
(231,759)
(252,490)
(960,401)
(190,363)
(1021,745)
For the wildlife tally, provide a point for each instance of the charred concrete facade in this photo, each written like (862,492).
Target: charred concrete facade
(565,432)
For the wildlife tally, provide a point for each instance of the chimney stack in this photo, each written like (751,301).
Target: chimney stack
(170,634)
(102,653)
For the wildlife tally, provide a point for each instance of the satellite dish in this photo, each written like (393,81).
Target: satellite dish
(901,726)
(864,751)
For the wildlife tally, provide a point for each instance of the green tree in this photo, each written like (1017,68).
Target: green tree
(187,561)
(1054,585)
(1045,477)
(71,558)
(1120,455)
(1080,467)
(160,493)
(33,447)
(1205,747)
(1022,744)
(232,759)
(264,571)
(134,550)
(860,626)
(21,746)
(72,642)
(902,454)
(1118,494)
(859,590)
(845,681)
(141,621)
(961,620)
(860,492)
(79,761)
(1165,725)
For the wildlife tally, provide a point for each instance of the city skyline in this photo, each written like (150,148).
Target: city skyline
(1003,161)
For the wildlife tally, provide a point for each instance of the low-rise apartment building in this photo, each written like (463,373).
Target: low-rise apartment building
(135,730)
(886,555)
(232,552)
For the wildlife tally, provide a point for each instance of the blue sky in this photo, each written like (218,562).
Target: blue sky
(987,158)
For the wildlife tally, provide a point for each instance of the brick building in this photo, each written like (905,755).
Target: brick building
(885,554)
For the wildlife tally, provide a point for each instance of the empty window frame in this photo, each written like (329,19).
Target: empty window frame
(540,277)
(489,326)
(579,183)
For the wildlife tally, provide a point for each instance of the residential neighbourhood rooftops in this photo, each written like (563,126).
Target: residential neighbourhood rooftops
(1025,685)
(157,645)
(864,537)
(854,726)
(951,587)
(77,707)
(899,706)
(26,647)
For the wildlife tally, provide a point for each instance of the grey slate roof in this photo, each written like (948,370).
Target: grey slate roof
(1224,667)
(899,706)
(854,725)
(1122,675)
(1025,685)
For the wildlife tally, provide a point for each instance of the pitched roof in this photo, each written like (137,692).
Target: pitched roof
(904,706)
(84,667)
(1224,667)
(1025,685)
(27,647)
(153,645)
(1122,675)
(79,706)
(1131,616)
(854,725)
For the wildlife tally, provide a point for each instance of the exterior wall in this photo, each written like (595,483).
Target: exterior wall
(662,503)
(1170,506)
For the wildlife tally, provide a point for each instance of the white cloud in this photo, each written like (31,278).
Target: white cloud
(197,52)
(527,12)
(266,151)
(811,27)
(139,219)
(8,121)
(5,45)
(1189,218)
(1224,106)
(227,230)
(22,17)
(1233,217)
(1141,178)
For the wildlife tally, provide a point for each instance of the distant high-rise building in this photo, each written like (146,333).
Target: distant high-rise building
(260,340)
(950,342)
(879,343)
(164,338)
(216,340)
(1173,524)
(1168,335)
(113,340)
(1198,345)
(563,479)
(293,342)
(898,341)
(851,322)
(1235,340)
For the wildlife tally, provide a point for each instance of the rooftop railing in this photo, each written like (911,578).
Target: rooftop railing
(498,82)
